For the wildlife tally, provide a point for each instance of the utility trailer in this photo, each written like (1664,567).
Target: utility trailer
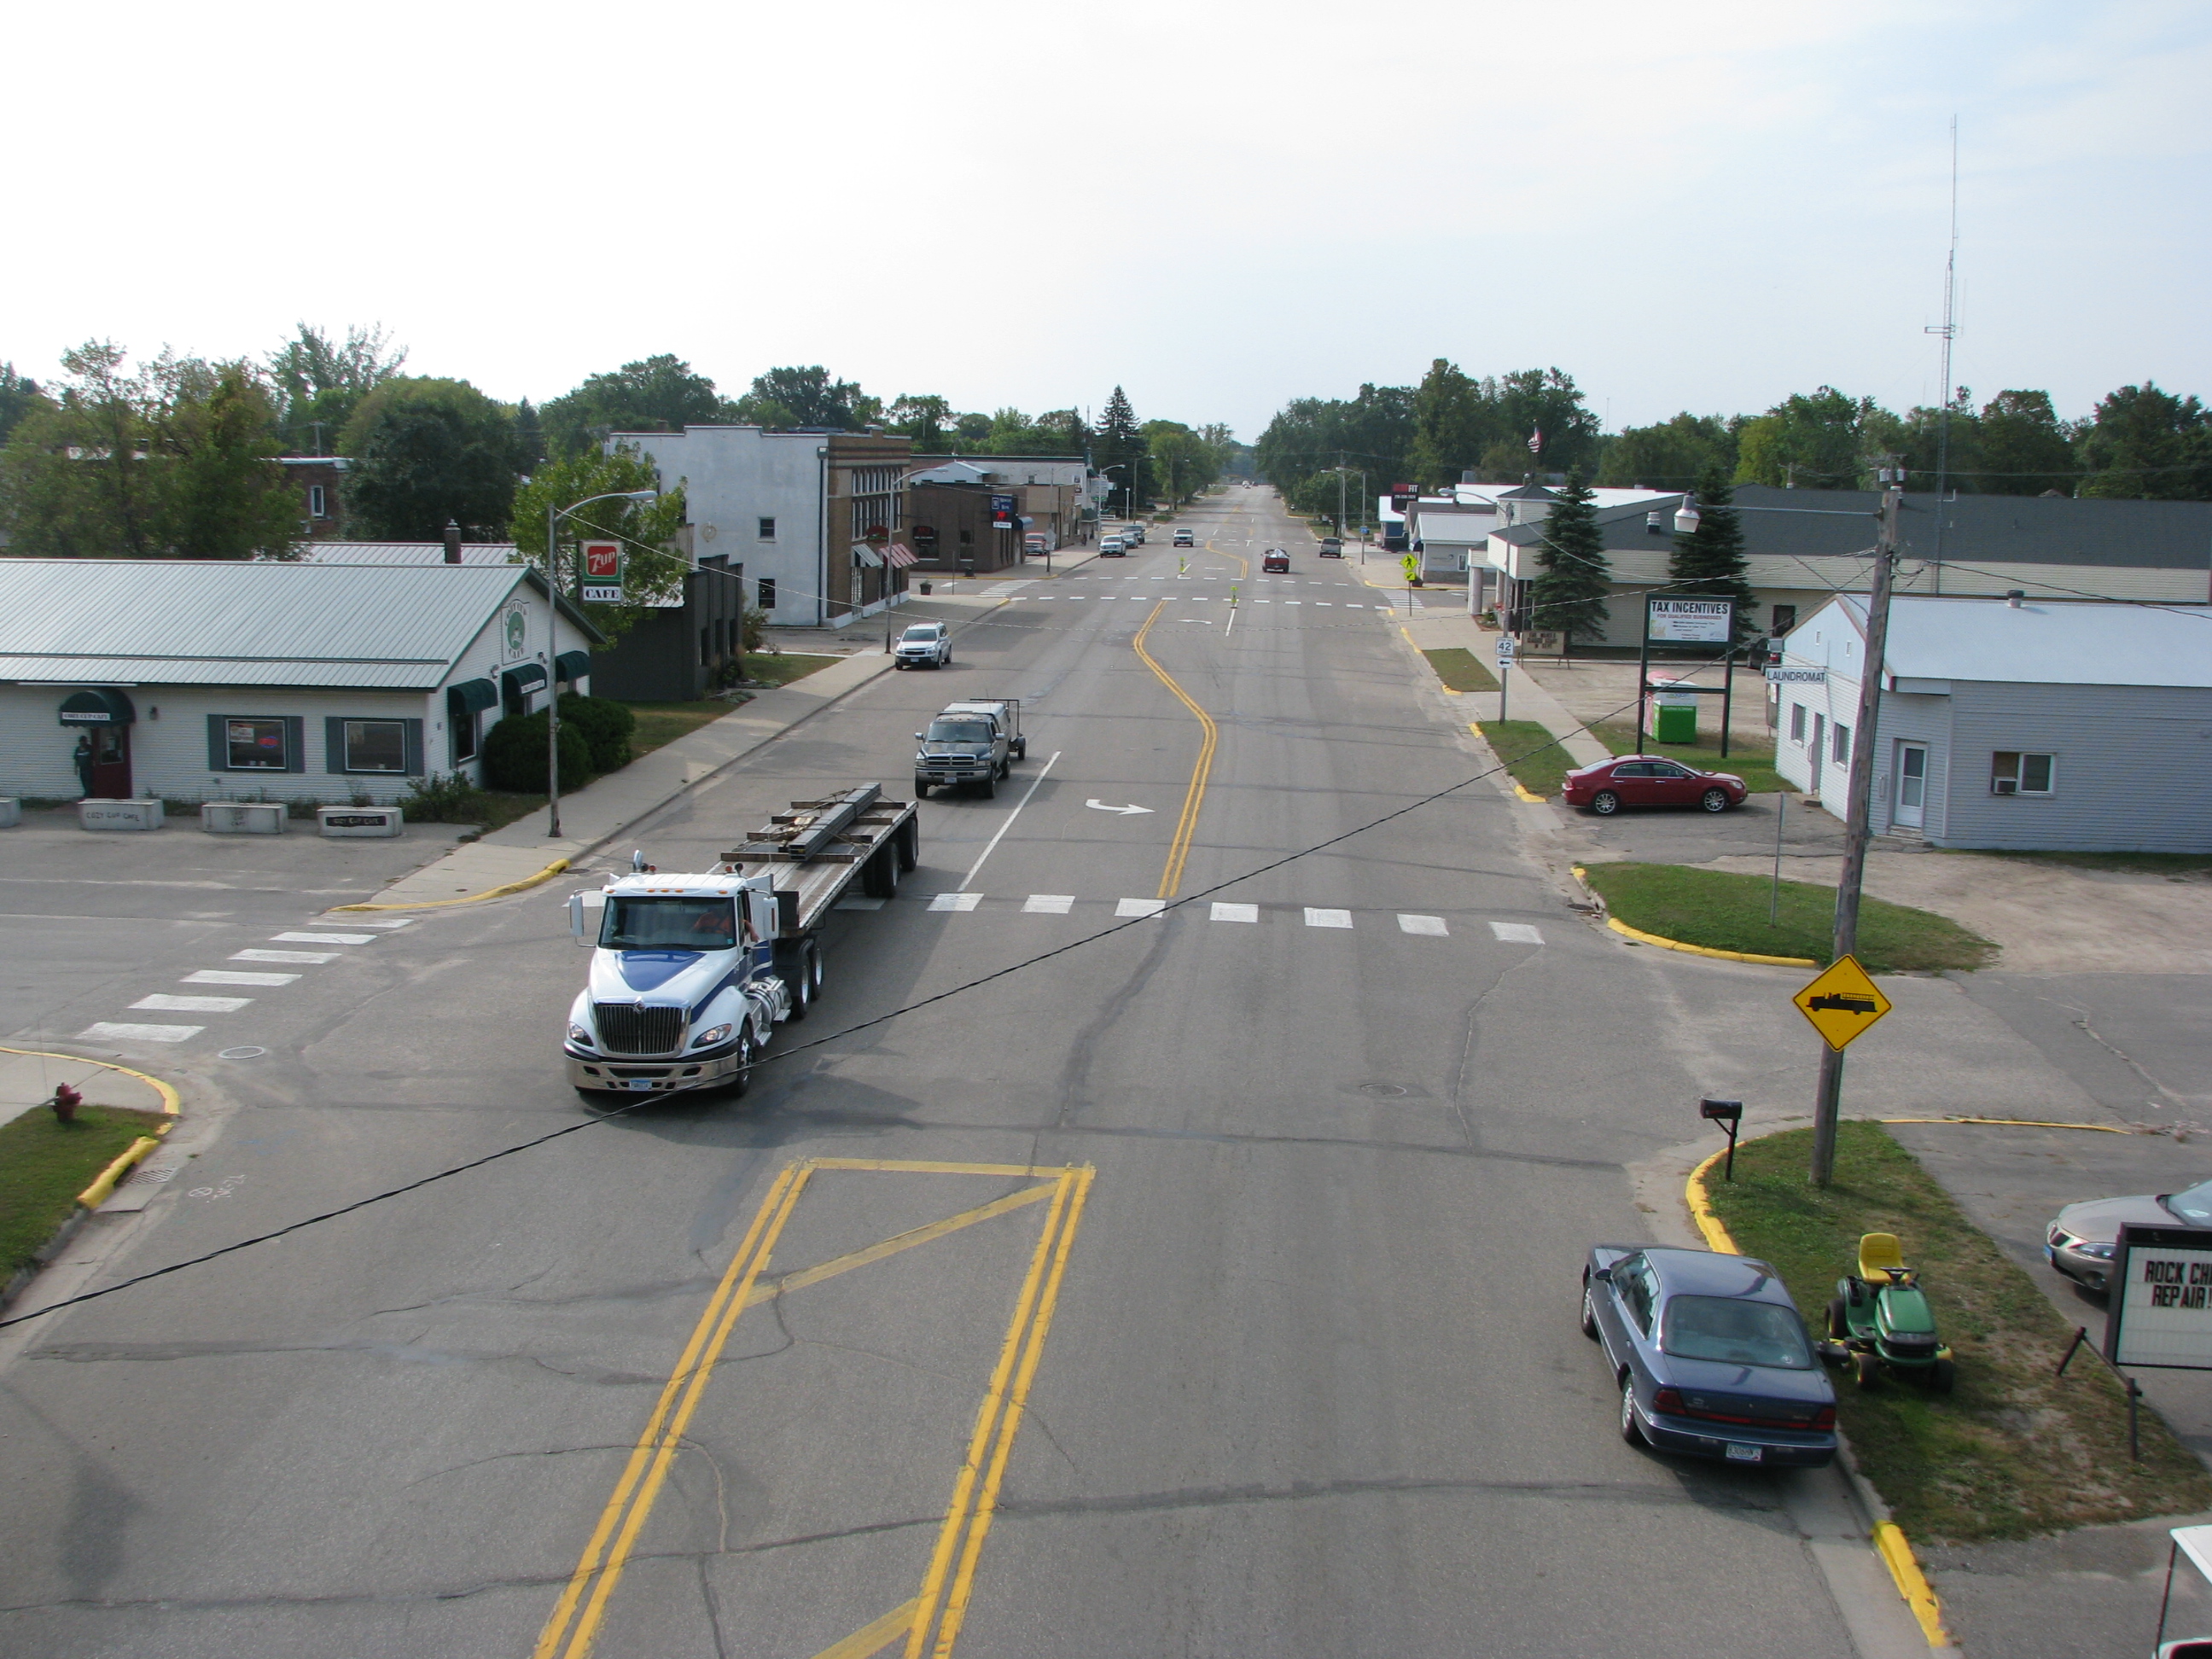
(690,973)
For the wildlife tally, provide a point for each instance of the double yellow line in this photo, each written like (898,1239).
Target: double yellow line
(1187,826)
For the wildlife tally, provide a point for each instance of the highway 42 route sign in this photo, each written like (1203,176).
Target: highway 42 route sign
(1843,1003)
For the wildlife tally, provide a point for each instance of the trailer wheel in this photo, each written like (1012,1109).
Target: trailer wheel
(909,844)
(879,875)
(792,968)
(1022,749)
(814,974)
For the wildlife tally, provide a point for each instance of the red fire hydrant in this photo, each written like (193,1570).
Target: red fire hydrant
(65,1102)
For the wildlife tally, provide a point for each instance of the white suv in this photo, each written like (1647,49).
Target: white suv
(924,642)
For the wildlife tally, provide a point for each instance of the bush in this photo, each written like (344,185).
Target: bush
(445,797)
(606,725)
(514,755)
(753,629)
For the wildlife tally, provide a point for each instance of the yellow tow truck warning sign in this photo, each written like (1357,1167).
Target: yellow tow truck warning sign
(1843,1003)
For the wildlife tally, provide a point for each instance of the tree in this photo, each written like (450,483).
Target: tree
(1181,460)
(1672,455)
(647,531)
(655,394)
(426,450)
(1449,431)
(925,418)
(1530,401)
(529,437)
(1825,440)
(1710,561)
(319,383)
(806,397)
(175,459)
(19,396)
(1122,447)
(2024,449)
(970,433)
(1311,437)
(2148,445)
(1574,577)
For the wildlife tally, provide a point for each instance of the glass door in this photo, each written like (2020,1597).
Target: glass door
(1912,784)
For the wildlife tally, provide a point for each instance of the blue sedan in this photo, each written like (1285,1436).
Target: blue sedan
(1710,1355)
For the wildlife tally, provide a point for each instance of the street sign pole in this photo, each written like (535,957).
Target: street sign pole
(1643,673)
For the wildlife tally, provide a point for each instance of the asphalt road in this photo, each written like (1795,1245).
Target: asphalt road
(1276,1282)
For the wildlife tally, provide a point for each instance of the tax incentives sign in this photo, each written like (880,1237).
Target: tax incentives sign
(1689,622)
(2159,1313)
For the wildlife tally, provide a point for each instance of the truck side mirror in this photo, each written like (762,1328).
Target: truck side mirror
(917,737)
(584,916)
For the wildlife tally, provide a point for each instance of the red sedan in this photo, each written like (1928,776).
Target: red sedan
(1651,780)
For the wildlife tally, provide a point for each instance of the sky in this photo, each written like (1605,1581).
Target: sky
(1219,206)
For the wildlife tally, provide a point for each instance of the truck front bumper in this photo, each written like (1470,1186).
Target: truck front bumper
(957,775)
(700,1070)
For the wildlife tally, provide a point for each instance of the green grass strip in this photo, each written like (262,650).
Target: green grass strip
(2013,1451)
(1537,759)
(44,1164)
(1727,912)
(1461,668)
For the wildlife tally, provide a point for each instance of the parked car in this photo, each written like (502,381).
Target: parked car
(1651,780)
(1186,538)
(1275,559)
(1113,547)
(1332,547)
(1710,1355)
(2081,1240)
(1035,546)
(929,643)
(1134,535)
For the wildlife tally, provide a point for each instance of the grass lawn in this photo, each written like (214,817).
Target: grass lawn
(1726,912)
(1537,760)
(2013,1451)
(1750,756)
(44,1164)
(1460,670)
(780,669)
(2151,864)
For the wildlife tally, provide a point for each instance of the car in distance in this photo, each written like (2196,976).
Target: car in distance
(1113,547)
(1332,547)
(1651,781)
(2083,1236)
(1275,559)
(1134,535)
(1186,538)
(1709,1355)
(929,643)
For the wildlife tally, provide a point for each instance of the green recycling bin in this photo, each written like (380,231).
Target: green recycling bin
(1675,717)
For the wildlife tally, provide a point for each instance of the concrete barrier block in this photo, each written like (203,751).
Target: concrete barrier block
(244,817)
(118,814)
(11,812)
(339,822)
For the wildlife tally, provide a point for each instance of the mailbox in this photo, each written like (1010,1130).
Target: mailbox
(1728,1113)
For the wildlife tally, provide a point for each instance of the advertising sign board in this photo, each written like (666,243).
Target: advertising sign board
(1797,676)
(602,572)
(1689,622)
(2160,1311)
(1002,512)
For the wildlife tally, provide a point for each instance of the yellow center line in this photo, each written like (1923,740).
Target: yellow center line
(1187,826)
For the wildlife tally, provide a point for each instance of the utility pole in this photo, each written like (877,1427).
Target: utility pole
(1859,824)
(1339,498)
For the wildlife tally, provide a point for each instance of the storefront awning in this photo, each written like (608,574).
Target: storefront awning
(863,554)
(900,555)
(99,707)
(524,675)
(572,666)
(471,696)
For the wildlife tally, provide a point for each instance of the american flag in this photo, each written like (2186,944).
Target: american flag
(1536,441)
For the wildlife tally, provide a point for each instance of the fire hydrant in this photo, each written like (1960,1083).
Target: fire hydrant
(65,1102)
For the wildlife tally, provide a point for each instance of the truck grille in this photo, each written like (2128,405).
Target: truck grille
(625,1027)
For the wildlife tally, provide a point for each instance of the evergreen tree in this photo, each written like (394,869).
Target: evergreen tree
(529,439)
(1122,445)
(1709,561)
(1574,578)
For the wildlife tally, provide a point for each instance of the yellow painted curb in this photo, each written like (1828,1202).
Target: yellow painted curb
(106,1180)
(170,1104)
(524,886)
(1889,1540)
(104,1183)
(1641,938)
(1525,795)
(2019,1123)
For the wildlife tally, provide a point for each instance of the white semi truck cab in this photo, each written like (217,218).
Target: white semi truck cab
(691,974)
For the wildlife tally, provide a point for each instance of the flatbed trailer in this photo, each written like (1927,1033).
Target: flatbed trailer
(816,852)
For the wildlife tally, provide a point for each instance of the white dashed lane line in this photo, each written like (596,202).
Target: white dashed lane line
(286,956)
(324,938)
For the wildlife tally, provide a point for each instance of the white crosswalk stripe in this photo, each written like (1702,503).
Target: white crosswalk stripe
(1236,912)
(164,1003)
(225,976)
(1433,925)
(1516,932)
(1048,904)
(1129,907)
(324,938)
(1328,918)
(108,1030)
(955,901)
(286,956)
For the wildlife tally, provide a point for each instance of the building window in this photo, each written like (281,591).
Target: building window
(256,747)
(767,596)
(767,530)
(376,745)
(2012,772)
(464,732)
(1786,618)
(1841,742)
(1797,722)
(317,503)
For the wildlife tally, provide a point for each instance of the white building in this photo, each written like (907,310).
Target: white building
(208,681)
(2039,726)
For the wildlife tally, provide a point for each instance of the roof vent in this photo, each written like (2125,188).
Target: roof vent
(452,542)
(2014,596)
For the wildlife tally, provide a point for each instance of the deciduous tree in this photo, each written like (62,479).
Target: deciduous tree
(2146,444)
(652,569)
(1671,455)
(654,394)
(425,450)
(806,397)
(320,382)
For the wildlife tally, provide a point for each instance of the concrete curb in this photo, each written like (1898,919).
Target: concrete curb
(1582,875)
(501,891)
(1888,1538)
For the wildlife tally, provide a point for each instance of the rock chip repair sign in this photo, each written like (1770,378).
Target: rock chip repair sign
(2159,1314)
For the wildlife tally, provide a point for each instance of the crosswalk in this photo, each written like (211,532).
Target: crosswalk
(258,978)
(1232,912)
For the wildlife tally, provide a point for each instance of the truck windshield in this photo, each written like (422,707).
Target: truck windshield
(669,924)
(959,731)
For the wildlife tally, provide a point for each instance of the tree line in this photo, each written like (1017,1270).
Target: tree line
(178,457)
(2139,442)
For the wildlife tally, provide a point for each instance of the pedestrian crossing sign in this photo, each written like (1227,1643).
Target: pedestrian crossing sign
(1843,1003)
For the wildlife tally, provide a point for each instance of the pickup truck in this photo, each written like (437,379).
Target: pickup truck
(973,743)
(691,973)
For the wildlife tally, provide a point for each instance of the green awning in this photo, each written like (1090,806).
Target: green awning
(572,666)
(471,696)
(99,707)
(525,675)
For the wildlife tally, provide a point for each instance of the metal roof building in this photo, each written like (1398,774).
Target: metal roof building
(197,680)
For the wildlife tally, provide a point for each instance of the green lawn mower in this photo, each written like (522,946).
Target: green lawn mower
(1881,1320)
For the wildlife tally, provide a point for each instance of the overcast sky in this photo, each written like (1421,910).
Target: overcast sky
(1220,206)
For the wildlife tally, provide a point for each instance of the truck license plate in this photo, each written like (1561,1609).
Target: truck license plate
(1746,1454)
(647,1083)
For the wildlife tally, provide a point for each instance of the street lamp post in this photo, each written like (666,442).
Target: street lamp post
(553,517)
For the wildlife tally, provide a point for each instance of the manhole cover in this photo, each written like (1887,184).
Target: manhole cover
(243,1053)
(1383,1090)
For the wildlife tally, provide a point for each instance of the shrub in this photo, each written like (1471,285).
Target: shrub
(445,797)
(606,725)
(515,755)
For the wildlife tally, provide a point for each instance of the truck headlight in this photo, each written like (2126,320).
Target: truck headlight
(578,1034)
(718,1033)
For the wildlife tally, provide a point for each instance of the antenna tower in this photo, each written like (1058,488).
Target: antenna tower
(1948,330)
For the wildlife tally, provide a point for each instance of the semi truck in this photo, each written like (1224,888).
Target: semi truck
(975,742)
(691,973)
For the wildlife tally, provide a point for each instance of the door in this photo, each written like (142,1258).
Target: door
(1819,751)
(111,762)
(1912,784)
(1674,786)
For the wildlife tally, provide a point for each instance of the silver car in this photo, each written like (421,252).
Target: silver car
(2082,1241)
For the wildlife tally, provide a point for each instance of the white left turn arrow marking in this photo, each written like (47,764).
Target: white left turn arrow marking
(1101,806)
